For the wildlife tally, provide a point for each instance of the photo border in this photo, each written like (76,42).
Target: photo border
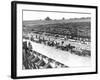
(14,38)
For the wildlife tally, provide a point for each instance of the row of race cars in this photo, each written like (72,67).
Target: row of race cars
(70,45)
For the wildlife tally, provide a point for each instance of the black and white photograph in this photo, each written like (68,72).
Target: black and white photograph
(55,39)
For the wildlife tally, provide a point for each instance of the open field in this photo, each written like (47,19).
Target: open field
(74,27)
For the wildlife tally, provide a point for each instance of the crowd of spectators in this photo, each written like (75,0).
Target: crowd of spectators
(59,45)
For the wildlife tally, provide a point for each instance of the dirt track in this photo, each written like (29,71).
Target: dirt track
(64,57)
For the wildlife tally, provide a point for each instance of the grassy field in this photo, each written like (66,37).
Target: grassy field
(76,27)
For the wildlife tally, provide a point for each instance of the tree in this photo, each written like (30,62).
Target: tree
(63,18)
(47,18)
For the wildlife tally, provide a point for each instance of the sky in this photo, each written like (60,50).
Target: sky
(37,15)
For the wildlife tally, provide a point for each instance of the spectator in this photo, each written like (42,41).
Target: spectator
(29,47)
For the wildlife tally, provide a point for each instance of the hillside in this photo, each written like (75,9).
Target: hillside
(75,27)
(43,22)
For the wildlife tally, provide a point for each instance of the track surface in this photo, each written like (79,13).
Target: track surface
(64,57)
